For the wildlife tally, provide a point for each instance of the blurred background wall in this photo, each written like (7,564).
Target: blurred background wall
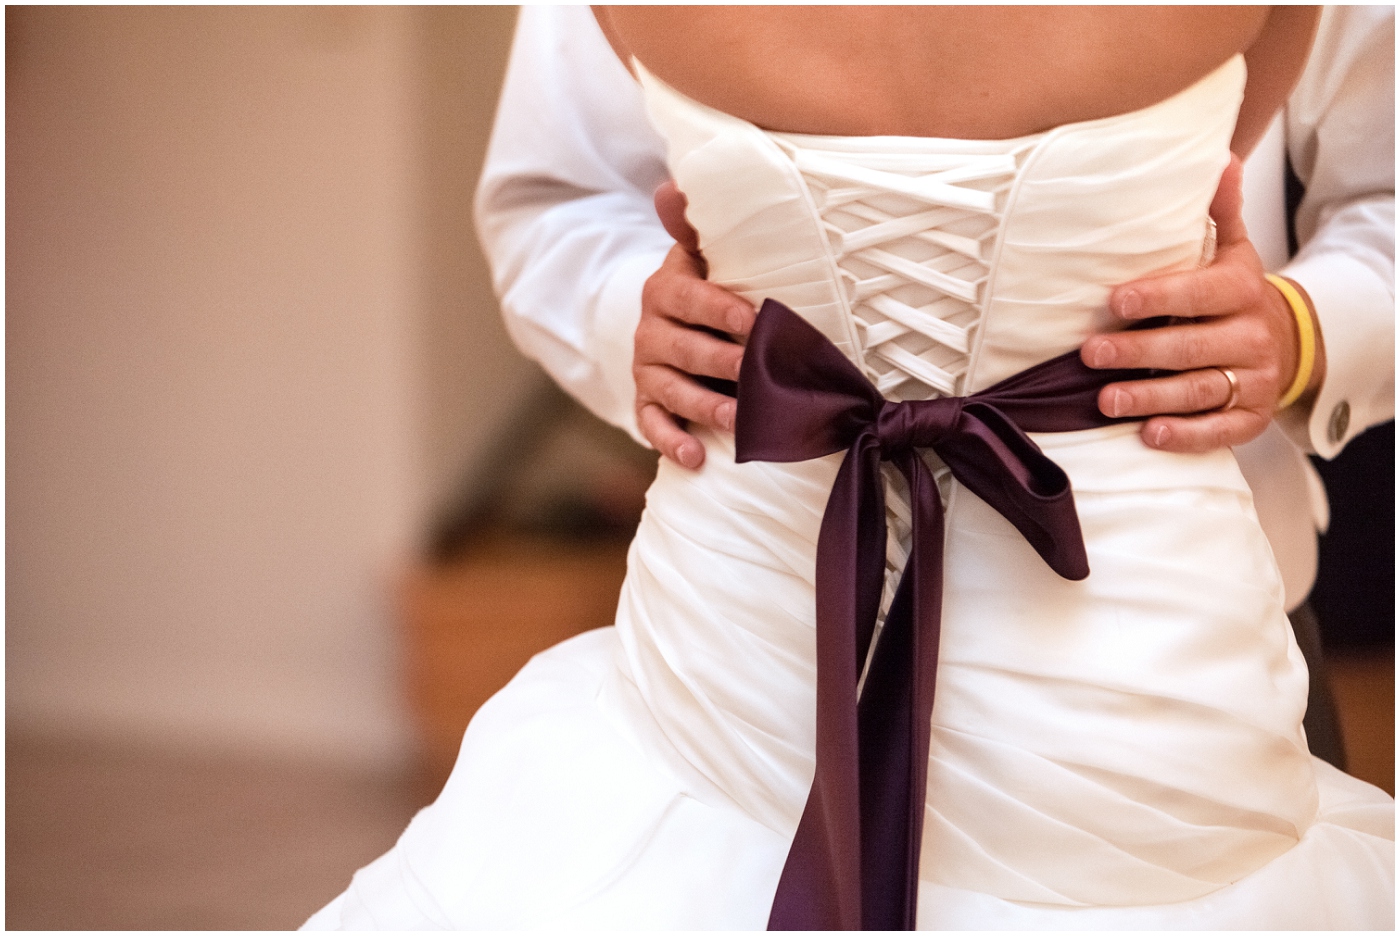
(259,405)
(251,346)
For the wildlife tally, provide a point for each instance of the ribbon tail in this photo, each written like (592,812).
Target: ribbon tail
(896,709)
(998,462)
(1058,395)
(820,887)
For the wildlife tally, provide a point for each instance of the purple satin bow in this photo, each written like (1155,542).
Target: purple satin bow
(854,863)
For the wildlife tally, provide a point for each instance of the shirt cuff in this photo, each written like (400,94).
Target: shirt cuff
(1357,317)
(618,311)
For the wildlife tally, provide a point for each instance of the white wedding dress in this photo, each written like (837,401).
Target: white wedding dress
(1120,752)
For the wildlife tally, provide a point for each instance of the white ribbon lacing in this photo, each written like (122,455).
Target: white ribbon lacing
(911,234)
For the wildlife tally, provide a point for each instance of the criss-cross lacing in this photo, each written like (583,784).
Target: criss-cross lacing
(911,235)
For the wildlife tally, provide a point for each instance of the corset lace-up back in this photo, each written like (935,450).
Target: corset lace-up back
(1121,752)
(912,235)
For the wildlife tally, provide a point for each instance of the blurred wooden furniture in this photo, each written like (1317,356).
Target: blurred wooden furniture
(473,622)
(1363,682)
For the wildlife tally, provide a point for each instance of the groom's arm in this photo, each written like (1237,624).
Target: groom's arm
(1341,142)
(570,259)
(1340,126)
(564,207)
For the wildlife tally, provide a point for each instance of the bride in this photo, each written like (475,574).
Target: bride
(932,204)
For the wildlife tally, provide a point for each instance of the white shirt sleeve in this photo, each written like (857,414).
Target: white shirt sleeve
(565,214)
(1340,124)
(564,208)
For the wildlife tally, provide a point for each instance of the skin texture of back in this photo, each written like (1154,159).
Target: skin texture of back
(978,72)
(893,70)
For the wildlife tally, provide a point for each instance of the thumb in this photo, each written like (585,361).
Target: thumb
(670,208)
(1228,206)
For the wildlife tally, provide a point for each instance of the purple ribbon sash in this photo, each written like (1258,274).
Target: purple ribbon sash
(854,863)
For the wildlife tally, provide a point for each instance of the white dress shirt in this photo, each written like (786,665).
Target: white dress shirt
(564,210)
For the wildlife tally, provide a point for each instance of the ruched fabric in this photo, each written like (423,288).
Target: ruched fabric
(1119,752)
(854,859)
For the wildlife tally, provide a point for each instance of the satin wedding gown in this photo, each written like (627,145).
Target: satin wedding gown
(1124,751)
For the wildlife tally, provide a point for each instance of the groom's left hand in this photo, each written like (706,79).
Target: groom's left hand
(1232,318)
(1235,320)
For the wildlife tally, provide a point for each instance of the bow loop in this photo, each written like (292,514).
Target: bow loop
(854,861)
(798,396)
(998,462)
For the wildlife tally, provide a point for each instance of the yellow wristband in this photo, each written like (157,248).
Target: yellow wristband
(1307,340)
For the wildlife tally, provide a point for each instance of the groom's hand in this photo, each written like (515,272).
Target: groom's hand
(688,327)
(1234,319)
(1229,317)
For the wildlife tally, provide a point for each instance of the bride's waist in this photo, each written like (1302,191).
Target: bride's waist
(1103,460)
(1115,459)
(718,614)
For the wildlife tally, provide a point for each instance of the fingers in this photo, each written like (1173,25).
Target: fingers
(1200,392)
(660,429)
(670,208)
(1234,281)
(1227,209)
(1232,319)
(679,292)
(681,396)
(1192,392)
(1242,343)
(681,335)
(664,341)
(677,305)
(1204,433)
(664,397)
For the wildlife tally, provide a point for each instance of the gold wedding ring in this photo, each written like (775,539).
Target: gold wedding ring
(1208,244)
(1234,387)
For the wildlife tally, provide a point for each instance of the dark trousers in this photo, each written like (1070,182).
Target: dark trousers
(1323,727)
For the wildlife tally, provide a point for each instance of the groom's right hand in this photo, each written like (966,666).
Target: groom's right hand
(684,318)
(689,327)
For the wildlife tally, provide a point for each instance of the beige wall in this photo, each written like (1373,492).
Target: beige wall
(250,344)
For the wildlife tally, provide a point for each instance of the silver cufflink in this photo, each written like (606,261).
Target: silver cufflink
(1341,419)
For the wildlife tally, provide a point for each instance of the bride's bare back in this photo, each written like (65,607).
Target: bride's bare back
(975,72)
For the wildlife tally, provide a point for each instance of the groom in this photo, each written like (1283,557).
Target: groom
(618,311)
